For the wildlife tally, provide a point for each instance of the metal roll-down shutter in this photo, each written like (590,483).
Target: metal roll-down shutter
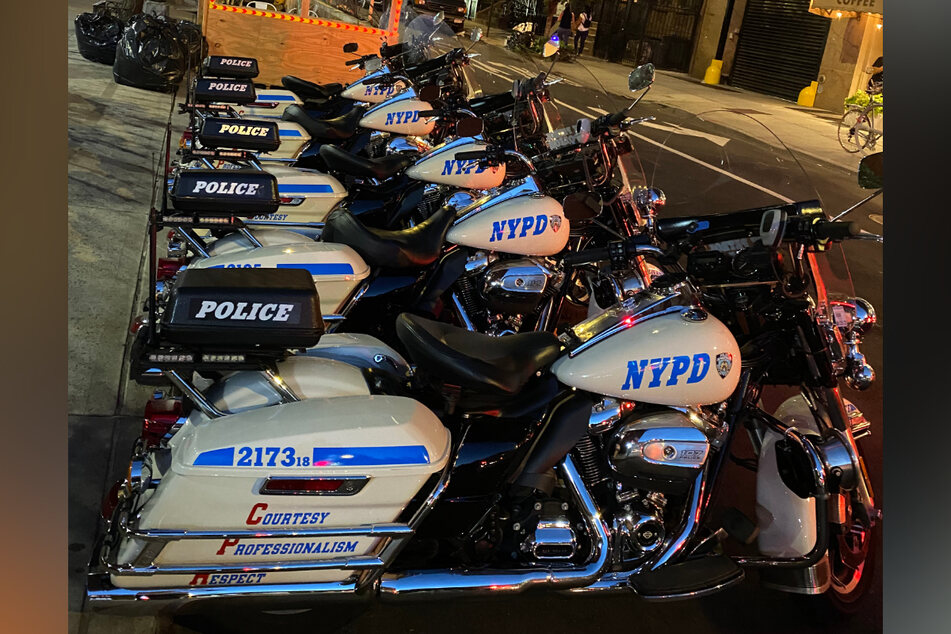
(780,47)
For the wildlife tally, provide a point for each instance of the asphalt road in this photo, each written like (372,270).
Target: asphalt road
(699,176)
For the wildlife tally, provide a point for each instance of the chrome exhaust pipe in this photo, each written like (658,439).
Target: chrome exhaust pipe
(425,583)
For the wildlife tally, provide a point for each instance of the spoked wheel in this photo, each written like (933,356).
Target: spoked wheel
(851,134)
(852,557)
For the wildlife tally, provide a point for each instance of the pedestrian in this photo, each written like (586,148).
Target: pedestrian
(584,23)
(564,25)
(876,82)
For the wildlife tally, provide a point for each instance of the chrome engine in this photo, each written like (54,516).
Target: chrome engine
(553,537)
(643,463)
(502,293)
(516,287)
(660,451)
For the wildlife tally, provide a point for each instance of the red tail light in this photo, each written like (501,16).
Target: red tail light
(137,323)
(168,267)
(161,414)
(186,139)
(313,486)
(110,501)
(303,485)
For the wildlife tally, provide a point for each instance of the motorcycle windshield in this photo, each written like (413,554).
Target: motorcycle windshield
(427,35)
(535,113)
(729,160)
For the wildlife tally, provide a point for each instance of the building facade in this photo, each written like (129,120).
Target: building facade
(779,47)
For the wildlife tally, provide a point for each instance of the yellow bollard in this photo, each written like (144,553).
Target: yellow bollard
(807,96)
(712,74)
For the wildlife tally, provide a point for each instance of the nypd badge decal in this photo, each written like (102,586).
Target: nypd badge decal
(724,364)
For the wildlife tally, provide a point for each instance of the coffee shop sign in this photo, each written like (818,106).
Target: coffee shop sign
(861,6)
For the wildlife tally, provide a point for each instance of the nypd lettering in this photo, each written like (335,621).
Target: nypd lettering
(654,369)
(260,517)
(220,85)
(209,579)
(404,116)
(243,311)
(462,167)
(511,228)
(377,90)
(259,548)
(226,188)
(244,130)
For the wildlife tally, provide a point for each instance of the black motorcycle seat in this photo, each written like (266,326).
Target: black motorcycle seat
(308,89)
(380,168)
(338,129)
(473,360)
(408,248)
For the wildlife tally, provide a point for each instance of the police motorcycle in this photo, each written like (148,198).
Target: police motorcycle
(419,34)
(307,194)
(303,131)
(500,272)
(587,463)
(381,191)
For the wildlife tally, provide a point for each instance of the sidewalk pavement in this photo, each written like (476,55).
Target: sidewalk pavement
(115,137)
(810,131)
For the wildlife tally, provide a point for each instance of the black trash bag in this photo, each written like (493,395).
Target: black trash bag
(97,35)
(194,42)
(150,54)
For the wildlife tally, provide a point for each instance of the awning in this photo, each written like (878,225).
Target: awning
(846,8)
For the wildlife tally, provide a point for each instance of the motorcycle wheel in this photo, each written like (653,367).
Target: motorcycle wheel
(853,555)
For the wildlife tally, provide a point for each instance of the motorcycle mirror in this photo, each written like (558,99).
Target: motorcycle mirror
(641,77)
(772,226)
(551,46)
(470,126)
(581,206)
(429,92)
(374,64)
(870,171)
(476,34)
(350,47)
(438,18)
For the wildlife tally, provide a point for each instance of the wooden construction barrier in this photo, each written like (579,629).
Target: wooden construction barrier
(289,44)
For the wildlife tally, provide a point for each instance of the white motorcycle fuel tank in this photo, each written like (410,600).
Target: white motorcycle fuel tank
(337,269)
(679,356)
(400,115)
(373,93)
(440,166)
(518,220)
(373,453)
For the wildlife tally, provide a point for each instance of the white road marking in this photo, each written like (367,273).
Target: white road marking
(712,167)
(578,110)
(599,110)
(492,71)
(676,129)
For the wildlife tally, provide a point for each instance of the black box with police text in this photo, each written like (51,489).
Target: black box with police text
(220,90)
(243,309)
(230,66)
(239,191)
(239,134)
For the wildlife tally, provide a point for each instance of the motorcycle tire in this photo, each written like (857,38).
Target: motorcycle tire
(853,558)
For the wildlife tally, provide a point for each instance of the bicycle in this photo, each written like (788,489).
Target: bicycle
(858,127)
